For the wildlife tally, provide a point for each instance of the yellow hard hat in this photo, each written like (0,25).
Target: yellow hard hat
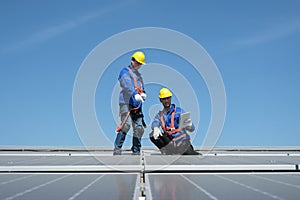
(164,92)
(139,57)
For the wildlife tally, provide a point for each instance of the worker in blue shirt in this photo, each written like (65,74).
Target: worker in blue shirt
(166,134)
(131,99)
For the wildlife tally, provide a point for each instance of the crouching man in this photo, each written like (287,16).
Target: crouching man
(166,134)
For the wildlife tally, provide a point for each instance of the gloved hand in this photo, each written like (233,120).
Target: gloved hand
(138,98)
(187,124)
(144,96)
(156,133)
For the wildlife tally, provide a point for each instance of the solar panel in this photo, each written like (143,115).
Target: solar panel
(81,174)
(67,186)
(224,186)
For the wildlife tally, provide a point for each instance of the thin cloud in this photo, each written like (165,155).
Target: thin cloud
(280,31)
(49,32)
(53,31)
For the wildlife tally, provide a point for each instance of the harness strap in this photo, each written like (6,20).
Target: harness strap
(163,125)
(138,89)
(169,130)
(179,136)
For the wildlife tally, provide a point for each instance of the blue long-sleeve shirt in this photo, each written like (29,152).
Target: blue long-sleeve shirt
(127,84)
(167,119)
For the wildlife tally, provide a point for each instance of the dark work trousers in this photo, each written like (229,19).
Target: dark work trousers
(169,147)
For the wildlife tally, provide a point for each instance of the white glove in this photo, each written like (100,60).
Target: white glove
(139,98)
(156,133)
(144,96)
(187,124)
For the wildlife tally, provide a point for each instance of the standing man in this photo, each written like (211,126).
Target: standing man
(166,134)
(131,98)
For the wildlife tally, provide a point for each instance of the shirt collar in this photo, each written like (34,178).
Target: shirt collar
(171,109)
(134,71)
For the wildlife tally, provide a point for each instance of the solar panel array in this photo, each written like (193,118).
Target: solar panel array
(81,174)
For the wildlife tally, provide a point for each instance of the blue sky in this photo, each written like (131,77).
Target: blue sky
(255,45)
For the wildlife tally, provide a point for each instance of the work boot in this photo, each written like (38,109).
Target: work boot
(190,151)
(117,152)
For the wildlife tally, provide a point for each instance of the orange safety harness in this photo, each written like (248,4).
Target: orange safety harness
(139,90)
(170,130)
